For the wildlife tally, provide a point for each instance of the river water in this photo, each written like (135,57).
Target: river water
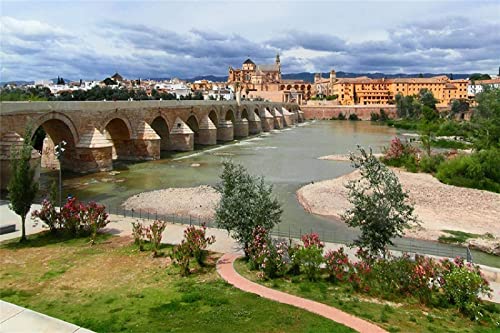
(287,158)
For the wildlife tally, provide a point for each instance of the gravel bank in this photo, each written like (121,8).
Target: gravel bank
(195,201)
(438,206)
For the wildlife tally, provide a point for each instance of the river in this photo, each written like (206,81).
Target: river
(287,158)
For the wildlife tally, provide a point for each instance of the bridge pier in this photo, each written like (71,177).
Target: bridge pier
(181,136)
(241,128)
(287,117)
(207,133)
(254,125)
(147,146)
(9,141)
(93,153)
(267,120)
(225,131)
(300,116)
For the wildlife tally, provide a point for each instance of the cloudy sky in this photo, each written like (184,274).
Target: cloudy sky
(93,39)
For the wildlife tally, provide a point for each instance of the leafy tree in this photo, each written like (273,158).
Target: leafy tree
(459,106)
(22,186)
(246,202)
(428,127)
(479,77)
(380,206)
(426,97)
(486,119)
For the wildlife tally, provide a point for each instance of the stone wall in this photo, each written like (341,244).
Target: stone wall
(363,112)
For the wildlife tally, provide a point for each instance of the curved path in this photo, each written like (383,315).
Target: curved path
(227,272)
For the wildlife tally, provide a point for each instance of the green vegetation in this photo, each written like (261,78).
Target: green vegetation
(353,116)
(246,202)
(477,170)
(65,278)
(97,93)
(402,314)
(380,207)
(479,77)
(459,237)
(22,185)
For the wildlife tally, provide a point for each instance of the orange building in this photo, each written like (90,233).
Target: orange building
(366,91)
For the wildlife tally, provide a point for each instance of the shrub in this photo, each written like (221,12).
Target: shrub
(312,239)
(431,163)
(338,265)
(181,255)
(95,219)
(270,258)
(70,217)
(139,232)
(198,242)
(310,255)
(154,234)
(48,215)
(462,285)
(353,116)
(374,116)
(383,115)
(479,170)
(310,259)
(341,116)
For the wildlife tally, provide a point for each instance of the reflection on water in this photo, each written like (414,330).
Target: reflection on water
(287,159)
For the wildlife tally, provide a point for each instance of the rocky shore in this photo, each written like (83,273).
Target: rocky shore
(438,207)
(198,201)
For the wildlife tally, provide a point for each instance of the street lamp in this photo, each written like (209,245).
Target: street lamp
(58,151)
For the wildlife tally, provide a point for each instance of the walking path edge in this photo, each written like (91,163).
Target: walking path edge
(226,270)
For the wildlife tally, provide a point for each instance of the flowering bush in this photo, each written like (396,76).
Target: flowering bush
(139,232)
(198,242)
(269,257)
(338,266)
(401,154)
(74,217)
(153,233)
(48,215)
(312,239)
(181,255)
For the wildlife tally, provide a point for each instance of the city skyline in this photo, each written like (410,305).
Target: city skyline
(91,40)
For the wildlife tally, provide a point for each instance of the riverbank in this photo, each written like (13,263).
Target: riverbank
(198,201)
(439,207)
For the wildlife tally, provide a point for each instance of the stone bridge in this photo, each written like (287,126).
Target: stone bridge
(99,132)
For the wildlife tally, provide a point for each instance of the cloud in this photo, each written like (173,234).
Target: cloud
(32,49)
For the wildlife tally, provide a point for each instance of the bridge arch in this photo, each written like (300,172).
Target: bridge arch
(160,126)
(214,118)
(48,131)
(194,125)
(257,111)
(244,114)
(119,132)
(230,115)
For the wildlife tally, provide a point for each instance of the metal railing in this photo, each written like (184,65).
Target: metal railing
(407,245)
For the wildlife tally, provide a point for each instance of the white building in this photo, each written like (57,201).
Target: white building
(475,87)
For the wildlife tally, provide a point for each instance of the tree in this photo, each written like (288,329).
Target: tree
(486,119)
(479,77)
(246,202)
(380,206)
(427,98)
(22,186)
(459,106)
(428,126)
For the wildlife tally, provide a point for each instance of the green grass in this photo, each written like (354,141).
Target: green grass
(405,315)
(460,237)
(112,287)
(450,144)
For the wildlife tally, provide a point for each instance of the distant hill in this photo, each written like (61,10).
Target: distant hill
(305,76)
(309,77)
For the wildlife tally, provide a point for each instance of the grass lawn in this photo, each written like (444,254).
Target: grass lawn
(112,287)
(394,317)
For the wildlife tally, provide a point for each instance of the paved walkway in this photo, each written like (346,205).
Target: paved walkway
(16,319)
(227,272)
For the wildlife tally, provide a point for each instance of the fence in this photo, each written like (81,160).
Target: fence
(407,245)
